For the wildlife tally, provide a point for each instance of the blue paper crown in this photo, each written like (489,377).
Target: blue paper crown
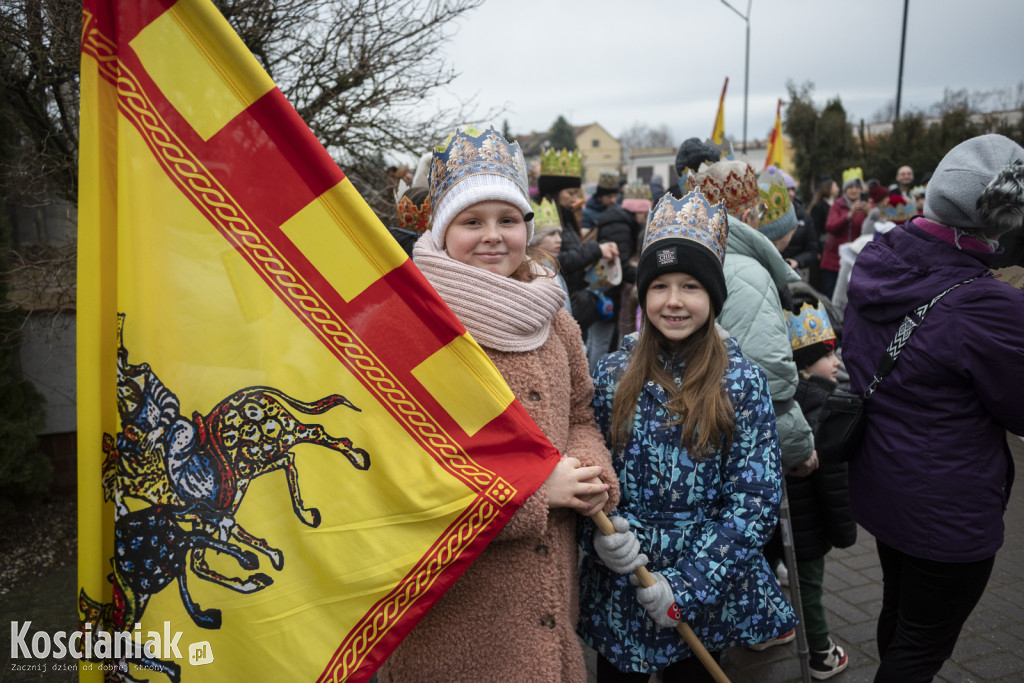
(810,325)
(899,213)
(692,218)
(472,152)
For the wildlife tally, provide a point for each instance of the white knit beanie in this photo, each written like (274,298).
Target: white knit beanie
(472,190)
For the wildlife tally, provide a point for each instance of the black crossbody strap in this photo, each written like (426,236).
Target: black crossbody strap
(907,327)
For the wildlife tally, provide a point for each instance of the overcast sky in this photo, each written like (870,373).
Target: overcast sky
(664,62)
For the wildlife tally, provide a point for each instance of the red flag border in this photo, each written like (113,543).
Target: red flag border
(195,181)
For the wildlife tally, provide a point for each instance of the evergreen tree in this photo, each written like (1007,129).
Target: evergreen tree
(562,135)
(1013,131)
(24,471)
(800,124)
(822,142)
(911,143)
(837,149)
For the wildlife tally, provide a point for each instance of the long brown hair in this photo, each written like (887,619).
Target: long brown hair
(526,272)
(701,403)
(569,218)
(566,215)
(822,194)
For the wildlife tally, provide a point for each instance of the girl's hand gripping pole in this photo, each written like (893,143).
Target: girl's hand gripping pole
(645,579)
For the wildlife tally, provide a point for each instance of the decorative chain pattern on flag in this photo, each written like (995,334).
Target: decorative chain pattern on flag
(243,317)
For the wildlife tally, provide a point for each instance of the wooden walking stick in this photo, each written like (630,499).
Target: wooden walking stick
(646,580)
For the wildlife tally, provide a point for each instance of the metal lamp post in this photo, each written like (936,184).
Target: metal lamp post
(746,68)
(903,44)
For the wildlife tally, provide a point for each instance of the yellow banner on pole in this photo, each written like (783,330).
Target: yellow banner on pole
(289,448)
(719,129)
(774,157)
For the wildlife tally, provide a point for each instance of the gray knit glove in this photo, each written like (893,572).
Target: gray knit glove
(620,551)
(658,601)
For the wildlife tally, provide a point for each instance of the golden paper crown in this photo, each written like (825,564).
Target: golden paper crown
(810,325)
(608,180)
(853,173)
(545,215)
(561,163)
(731,182)
(771,190)
(636,191)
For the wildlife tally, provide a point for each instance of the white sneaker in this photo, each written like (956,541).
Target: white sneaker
(827,663)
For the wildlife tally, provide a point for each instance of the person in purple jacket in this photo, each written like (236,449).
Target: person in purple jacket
(933,475)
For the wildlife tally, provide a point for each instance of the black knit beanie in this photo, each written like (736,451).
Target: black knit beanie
(807,356)
(677,255)
(692,153)
(686,235)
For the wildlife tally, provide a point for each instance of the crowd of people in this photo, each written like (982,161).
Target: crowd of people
(677,347)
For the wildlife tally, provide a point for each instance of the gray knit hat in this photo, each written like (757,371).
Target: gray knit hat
(979,185)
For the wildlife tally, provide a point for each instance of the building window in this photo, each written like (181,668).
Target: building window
(595,143)
(644,173)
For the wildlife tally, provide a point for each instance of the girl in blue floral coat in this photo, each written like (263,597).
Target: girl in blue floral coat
(692,431)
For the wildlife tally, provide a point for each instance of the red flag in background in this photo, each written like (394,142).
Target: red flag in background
(289,447)
(719,130)
(774,157)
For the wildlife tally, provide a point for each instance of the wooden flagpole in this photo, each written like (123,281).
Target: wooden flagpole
(646,580)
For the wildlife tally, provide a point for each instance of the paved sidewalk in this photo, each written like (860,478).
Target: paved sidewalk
(991,646)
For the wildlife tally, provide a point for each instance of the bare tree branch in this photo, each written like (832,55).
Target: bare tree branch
(641,136)
(360,73)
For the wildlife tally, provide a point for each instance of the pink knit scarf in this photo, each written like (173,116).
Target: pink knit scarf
(501,313)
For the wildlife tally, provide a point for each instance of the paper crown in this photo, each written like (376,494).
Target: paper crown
(787,179)
(725,147)
(608,180)
(731,182)
(636,197)
(413,216)
(545,215)
(472,152)
(917,191)
(561,163)
(771,190)
(898,210)
(854,173)
(636,191)
(779,217)
(693,218)
(809,325)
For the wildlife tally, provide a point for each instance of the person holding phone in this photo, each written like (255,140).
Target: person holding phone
(845,220)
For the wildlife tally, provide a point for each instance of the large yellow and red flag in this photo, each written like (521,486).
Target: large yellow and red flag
(718,131)
(289,447)
(774,157)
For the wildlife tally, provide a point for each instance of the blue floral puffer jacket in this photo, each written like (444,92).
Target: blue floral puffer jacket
(701,524)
